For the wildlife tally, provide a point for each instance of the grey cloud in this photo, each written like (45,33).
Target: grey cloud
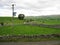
(43,4)
(38,6)
(5,4)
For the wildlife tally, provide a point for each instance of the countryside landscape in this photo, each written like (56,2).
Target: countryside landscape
(29,22)
(31,28)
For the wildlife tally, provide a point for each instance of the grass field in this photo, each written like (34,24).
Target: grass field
(14,26)
(52,20)
(28,29)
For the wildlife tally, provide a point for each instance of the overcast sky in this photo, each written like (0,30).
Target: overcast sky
(30,7)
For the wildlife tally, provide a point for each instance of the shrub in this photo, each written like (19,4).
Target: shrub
(2,23)
(21,16)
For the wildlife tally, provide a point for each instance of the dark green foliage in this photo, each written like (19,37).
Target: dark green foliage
(2,23)
(21,16)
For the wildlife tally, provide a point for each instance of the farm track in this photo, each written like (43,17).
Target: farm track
(45,25)
(31,43)
(41,25)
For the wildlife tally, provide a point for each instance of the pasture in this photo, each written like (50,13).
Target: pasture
(14,26)
(20,28)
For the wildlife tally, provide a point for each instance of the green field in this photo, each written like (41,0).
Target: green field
(22,29)
(28,30)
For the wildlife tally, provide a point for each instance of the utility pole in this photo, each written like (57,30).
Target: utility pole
(12,10)
(13,13)
(12,17)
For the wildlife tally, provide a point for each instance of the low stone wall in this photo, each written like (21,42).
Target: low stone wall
(29,36)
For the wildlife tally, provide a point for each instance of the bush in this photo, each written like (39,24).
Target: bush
(2,23)
(21,16)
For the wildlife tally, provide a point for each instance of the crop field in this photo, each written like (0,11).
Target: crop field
(14,26)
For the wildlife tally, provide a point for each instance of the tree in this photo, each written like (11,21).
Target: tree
(21,16)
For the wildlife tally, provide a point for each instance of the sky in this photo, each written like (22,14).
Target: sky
(30,7)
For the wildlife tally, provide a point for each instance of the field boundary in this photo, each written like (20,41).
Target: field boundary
(43,25)
(30,37)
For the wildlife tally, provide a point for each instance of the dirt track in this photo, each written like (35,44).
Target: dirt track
(31,43)
(44,25)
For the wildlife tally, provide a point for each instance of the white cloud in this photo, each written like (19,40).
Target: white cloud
(30,7)
(5,12)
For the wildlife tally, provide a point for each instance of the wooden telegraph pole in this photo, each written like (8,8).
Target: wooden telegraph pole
(13,13)
(12,10)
